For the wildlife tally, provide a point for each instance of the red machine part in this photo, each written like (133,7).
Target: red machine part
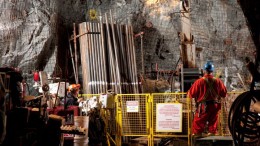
(36,76)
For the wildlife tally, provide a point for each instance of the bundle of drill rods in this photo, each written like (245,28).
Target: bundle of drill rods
(108,58)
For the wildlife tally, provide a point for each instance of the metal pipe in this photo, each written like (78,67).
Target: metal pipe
(86,41)
(94,60)
(92,54)
(134,60)
(103,52)
(129,59)
(101,64)
(98,59)
(117,73)
(124,76)
(76,54)
(142,57)
(97,52)
(112,73)
(90,59)
(72,60)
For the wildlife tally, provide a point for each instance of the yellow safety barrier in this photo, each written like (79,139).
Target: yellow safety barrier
(137,116)
(133,116)
(87,96)
(223,118)
(180,126)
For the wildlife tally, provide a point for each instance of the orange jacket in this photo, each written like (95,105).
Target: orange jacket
(207,88)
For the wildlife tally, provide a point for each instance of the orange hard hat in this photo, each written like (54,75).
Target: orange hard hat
(74,87)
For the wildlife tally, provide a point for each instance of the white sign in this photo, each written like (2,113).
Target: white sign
(169,117)
(55,86)
(132,106)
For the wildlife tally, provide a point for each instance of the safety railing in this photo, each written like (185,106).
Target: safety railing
(145,115)
(133,116)
(225,108)
(171,118)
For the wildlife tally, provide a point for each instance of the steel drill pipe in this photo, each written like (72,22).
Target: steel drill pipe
(111,61)
(117,74)
(124,76)
(131,58)
(128,59)
(123,67)
(91,69)
(95,59)
(103,52)
(99,59)
(134,60)
(75,52)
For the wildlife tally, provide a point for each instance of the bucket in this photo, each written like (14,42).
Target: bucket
(81,121)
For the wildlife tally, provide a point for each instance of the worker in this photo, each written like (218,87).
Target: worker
(72,96)
(207,93)
(255,75)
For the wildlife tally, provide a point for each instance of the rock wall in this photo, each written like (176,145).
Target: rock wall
(28,32)
(34,33)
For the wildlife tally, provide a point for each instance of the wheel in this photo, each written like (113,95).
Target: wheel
(243,121)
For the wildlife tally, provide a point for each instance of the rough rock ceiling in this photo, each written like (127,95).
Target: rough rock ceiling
(34,33)
(251,9)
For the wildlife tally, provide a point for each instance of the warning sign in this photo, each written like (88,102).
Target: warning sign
(169,117)
(132,106)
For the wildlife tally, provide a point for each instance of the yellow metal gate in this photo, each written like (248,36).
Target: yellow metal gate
(133,116)
(136,116)
(181,137)
(141,119)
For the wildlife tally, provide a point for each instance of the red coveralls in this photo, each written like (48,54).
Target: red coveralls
(207,92)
